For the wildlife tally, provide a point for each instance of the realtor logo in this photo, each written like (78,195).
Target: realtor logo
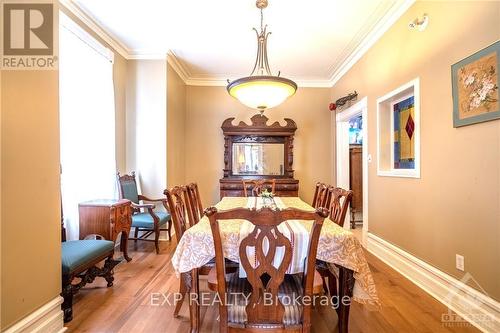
(28,35)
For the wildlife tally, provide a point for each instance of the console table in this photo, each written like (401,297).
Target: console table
(107,217)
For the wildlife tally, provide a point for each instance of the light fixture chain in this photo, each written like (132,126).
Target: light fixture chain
(261,20)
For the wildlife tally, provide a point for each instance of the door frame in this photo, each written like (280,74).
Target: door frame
(342,164)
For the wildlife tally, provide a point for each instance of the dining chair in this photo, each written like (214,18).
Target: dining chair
(339,203)
(321,196)
(144,218)
(264,281)
(195,207)
(256,186)
(178,198)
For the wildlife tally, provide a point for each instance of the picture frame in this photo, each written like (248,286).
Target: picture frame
(398,136)
(475,87)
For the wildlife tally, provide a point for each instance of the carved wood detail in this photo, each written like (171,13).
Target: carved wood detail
(259,132)
(265,278)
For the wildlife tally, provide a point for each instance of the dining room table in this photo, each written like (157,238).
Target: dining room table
(338,248)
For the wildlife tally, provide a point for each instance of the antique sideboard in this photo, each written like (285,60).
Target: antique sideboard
(258,151)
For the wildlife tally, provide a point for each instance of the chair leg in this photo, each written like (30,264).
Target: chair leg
(107,270)
(67,294)
(325,287)
(169,228)
(136,234)
(178,304)
(157,237)
(332,285)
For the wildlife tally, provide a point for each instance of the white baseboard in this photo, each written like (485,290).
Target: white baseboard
(474,306)
(46,319)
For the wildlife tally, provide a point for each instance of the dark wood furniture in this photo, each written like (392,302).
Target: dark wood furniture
(253,313)
(356,180)
(80,259)
(339,202)
(321,196)
(255,187)
(106,218)
(195,206)
(178,199)
(144,218)
(258,132)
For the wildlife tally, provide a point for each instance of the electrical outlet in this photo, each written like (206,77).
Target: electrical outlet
(459,262)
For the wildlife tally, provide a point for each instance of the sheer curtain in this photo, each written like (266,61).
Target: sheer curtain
(87,121)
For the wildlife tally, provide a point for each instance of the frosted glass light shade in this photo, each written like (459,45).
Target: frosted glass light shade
(262,92)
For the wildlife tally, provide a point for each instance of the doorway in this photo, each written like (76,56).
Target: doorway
(352,162)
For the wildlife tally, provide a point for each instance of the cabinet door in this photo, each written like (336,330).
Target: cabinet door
(356,177)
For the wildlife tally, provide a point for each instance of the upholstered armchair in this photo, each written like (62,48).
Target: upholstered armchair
(145,218)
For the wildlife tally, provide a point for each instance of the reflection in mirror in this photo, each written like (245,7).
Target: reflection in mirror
(258,159)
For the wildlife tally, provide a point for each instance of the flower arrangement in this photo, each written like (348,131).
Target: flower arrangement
(266,194)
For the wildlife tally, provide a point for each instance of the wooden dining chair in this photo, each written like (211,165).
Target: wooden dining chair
(195,207)
(144,218)
(339,203)
(178,198)
(256,186)
(321,196)
(253,313)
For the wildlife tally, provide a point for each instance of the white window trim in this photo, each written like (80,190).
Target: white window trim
(70,25)
(411,88)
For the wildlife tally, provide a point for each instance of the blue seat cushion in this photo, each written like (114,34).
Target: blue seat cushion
(80,253)
(145,220)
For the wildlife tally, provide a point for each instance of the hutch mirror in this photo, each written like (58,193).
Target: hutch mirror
(258,151)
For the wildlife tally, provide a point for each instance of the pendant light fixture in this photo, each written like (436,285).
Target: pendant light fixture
(261,90)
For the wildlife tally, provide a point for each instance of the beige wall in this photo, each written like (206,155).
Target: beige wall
(208,107)
(30,132)
(146,124)
(176,126)
(454,207)
(31,258)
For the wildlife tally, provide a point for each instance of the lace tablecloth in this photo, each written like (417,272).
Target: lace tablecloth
(336,246)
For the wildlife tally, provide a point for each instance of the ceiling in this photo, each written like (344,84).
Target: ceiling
(312,41)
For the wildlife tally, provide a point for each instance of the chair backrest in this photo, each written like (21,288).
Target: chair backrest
(316,193)
(339,202)
(127,187)
(321,196)
(256,186)
(264,278)
(195,207)
(177,199)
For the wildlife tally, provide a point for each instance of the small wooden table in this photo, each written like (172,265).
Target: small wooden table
(107,217)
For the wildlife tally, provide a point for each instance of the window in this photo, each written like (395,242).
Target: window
(87,121)
(398,132)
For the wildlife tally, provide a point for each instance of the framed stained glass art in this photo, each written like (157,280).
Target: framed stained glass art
(403,113)
(398,132)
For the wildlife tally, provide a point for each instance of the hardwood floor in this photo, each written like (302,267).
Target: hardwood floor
(127,306)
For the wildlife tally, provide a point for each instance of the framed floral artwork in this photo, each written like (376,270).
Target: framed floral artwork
(475,80)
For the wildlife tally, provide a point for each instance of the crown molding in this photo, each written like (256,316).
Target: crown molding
(394,13)
(374,34)
(92,24)
(221,82)
(147,56)
(178,67)
(352,57)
